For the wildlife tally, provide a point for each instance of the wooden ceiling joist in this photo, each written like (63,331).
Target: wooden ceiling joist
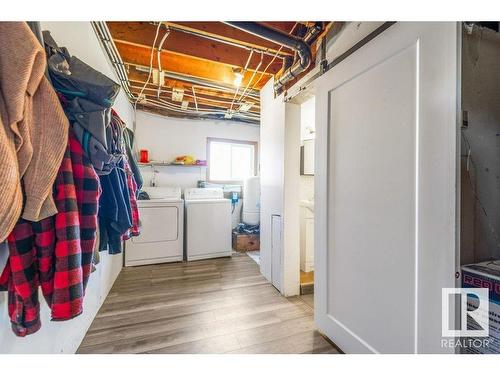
(254,64)
(200,98)
(185,65)
(230,34)
(160,109)
(136,75)
(207,96)
(141,35)
(203,59)
(201,101)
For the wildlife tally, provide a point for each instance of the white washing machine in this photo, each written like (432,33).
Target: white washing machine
(161,225)
(208,223)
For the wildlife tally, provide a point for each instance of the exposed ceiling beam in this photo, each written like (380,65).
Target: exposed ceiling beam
(236,61)
(152,108)
(193,59)
(141,34)
(202,102)
(173,79)
(201,97)
(137,81)
(192,111)
(184,65)
(230,34)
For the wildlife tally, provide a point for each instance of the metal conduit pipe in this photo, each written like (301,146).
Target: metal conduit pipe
(104,35)
(300,46)
(265,51)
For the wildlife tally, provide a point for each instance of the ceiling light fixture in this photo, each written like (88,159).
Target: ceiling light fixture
(238,78)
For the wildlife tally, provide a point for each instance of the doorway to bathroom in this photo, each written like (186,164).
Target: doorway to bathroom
(307,139)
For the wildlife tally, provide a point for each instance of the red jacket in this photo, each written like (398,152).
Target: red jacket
(55,253)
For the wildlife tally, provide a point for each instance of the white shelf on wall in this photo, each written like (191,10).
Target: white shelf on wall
(163,164)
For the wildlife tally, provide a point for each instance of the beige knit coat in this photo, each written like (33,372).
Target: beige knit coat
(33,129)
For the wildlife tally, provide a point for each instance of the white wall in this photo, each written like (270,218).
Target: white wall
(291,201)
(307,131)
(165,138)
(65,337)
(280,190)
(307,124)
(272,143)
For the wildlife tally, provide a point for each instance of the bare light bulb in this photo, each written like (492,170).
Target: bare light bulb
(238,78)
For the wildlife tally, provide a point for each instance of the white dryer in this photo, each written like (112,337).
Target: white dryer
(161,225)
(208,223)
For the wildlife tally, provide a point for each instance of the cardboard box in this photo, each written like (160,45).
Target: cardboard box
(245,242)
(485,275)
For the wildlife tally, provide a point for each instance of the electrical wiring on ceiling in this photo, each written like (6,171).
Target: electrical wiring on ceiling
(252,77)
(150,63)
(238,88)
(160,102)
(160,84)
(193,95)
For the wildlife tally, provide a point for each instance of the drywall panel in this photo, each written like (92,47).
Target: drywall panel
(65,337)
(307,125)
(480,147)
(291,201)
(350,34)
(165,138)
(272,151)
(280,191)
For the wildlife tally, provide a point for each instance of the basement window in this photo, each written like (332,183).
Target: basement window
(230,161)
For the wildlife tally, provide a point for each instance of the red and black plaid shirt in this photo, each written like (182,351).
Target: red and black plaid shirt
(132,192)
(55,253)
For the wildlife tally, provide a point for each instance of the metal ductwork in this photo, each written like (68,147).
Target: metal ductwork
(301,46)
(313,33)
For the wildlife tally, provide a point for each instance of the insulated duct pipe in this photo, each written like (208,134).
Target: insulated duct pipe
(313,33)
(300,46)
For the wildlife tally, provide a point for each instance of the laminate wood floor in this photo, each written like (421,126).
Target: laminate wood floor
(211,306)
(307,277)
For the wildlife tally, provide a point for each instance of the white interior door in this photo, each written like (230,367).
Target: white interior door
(385,168)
